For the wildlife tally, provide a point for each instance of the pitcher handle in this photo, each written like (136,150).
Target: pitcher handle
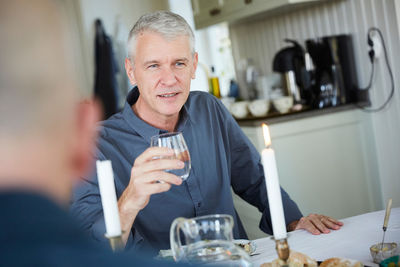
(178,251)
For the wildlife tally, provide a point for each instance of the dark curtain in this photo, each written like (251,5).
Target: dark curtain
(106,86)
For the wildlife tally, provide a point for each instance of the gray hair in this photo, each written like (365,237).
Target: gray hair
(167,24)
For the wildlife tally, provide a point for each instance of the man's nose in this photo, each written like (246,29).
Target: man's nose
(168,76)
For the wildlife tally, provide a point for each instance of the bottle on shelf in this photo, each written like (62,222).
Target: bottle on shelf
(214,84)
(233,89)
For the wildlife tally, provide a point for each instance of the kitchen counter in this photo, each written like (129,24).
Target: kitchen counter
(276,117)
(325,160)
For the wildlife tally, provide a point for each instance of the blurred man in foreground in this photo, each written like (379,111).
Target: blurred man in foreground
(46,138)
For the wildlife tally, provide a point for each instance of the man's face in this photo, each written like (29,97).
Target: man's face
(162,70)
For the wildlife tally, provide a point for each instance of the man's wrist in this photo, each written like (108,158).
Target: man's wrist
(292,226)
(126,207)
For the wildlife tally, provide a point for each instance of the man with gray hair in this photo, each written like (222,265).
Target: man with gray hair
(161,63)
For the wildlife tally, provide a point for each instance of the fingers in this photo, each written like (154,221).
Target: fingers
(156,177)
(161,164)
(145,163)
(148,177)
(147,189)
(308,223)
(317,224)
(332,223)
(156,188)
(153,152)
(136,196)
(154,170)
(320,224)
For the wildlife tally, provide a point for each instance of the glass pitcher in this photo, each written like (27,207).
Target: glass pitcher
(208,239)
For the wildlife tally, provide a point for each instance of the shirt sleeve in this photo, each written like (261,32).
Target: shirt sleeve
(247,175)
(86,207)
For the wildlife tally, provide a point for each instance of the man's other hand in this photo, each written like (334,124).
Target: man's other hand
(316,224)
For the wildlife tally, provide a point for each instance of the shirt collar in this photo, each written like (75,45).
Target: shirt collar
(145,130)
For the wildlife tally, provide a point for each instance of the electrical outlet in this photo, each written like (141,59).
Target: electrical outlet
(377,44)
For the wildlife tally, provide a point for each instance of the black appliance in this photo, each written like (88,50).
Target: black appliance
(334,79)
(289,61)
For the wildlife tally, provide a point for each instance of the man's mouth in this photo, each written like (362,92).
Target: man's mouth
(168,95)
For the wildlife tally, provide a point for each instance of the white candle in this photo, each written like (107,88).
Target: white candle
(273,188)
(108,198)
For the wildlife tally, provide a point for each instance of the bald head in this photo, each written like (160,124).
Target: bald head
(46,136)
(36,82)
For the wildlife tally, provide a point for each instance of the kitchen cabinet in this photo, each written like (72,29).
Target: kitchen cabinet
(210,12)
(326,163)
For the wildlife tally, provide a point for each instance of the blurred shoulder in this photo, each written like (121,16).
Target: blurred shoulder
(115,123)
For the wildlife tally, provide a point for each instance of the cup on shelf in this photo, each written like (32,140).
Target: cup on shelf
(283,104)
(228,101)
(239,109)
(259,107)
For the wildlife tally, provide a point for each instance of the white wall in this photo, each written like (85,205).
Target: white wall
(87,11)
(213,47)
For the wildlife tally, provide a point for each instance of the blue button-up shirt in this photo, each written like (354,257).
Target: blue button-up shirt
(221,155)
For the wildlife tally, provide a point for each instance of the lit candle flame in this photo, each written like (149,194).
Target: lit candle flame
(267,137)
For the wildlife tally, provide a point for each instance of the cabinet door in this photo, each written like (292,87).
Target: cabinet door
(325,163)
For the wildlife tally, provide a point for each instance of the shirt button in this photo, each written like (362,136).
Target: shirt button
(199,204)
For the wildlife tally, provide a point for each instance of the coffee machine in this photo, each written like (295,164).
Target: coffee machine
(334,78)
(289,61)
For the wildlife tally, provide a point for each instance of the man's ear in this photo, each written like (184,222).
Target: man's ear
(129,71)
(87,116)
(195,62)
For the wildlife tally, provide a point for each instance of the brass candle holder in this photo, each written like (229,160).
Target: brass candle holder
(282,248)
(116,243)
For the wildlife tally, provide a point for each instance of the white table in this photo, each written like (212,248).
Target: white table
(352,241)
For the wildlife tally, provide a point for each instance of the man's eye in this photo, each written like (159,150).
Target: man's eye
(180,64)
(152,66)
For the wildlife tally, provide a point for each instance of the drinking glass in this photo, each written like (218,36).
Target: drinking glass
(175,141)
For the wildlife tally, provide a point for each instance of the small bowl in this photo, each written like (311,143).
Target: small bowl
(239,109)
(283,104)
(228,101)
(259,107)
(381,252)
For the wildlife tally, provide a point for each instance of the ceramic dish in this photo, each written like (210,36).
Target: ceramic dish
(380,252)
(247,245)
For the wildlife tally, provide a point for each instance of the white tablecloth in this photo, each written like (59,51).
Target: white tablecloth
(352,241)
